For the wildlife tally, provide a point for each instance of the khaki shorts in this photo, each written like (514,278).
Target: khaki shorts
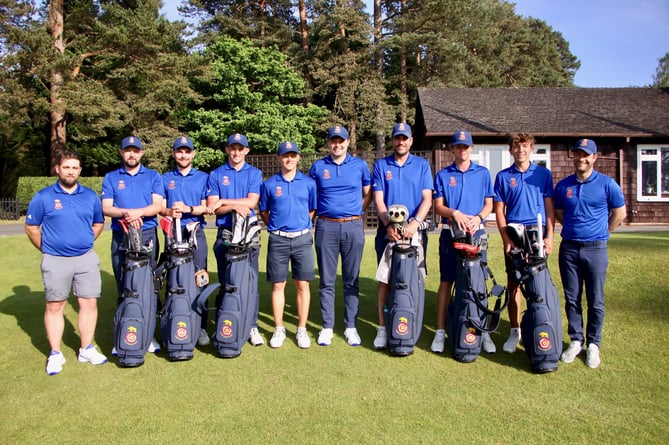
(80,273)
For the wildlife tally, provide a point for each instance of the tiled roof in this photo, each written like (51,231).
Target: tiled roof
(546,111)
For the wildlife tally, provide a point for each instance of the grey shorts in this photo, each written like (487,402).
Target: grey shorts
(80,273)
(299,252)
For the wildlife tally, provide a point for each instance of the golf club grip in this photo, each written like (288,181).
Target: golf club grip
(177,229)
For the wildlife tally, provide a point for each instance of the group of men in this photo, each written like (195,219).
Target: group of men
(335,194)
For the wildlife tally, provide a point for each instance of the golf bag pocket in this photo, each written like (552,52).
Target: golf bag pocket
(135,318)
(464,338)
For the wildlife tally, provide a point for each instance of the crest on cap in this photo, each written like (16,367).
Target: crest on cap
(237,137)
(584,142)
(131,140)
(288,145)
(184,140)
(462,136)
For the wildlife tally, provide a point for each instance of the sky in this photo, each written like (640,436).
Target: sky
(618,42)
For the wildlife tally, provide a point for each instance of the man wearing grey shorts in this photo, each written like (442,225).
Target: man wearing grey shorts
(62,222)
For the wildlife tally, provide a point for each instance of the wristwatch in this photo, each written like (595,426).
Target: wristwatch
(418,218)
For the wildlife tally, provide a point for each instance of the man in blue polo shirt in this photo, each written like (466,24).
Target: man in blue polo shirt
(343,183)
(287,206)
(589,205)
(134,194)
(235,187)
(522,191)
(403,179)
(62,222)
(185,198)
(467,206)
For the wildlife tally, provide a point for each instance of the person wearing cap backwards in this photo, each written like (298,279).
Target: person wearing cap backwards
(185,198)
(467,206)
(522,191)
(63,221)
(343,183)
(134,194)
(589,205)
(403,179)
(234,187)
(287,206)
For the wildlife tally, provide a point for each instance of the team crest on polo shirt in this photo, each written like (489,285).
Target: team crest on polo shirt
(278,191)
(121,184)
(226,181)
(326,174)
(452,181)
(513,182)
(570,193)
(57,204)
(389,175)
(172,185)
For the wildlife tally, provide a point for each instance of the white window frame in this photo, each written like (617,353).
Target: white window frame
(650,153)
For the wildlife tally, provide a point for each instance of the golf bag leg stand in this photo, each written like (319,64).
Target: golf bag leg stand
(235,312)
(403,313)
(135,318)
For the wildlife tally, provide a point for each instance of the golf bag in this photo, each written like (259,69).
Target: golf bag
(468,314)
(181,315)
(403,312)
(135,318)
(541,324)
(238,297)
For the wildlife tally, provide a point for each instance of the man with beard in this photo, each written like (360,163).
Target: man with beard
(134,194)
(62,222)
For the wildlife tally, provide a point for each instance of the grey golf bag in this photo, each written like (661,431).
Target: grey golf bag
(403,312)
(541,324)
(468,314)
(180,316)
(135,317)
(236,305)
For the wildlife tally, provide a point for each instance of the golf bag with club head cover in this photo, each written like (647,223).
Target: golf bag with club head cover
(468,314)
(135,317)
(238,297)
(181,315)
(541,324)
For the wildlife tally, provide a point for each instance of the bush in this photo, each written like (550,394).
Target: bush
(29,185)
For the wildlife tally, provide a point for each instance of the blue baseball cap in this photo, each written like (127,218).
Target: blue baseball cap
(288,147)
(337,132)
(462,137)
(238,138)
(183,142)
(131,141)
(586,145)
(402,128)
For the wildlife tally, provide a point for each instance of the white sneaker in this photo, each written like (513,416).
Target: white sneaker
(302,338)
(203,339)
(55,362)
(255,338)
(325,337)
(511,343)
(381,340)
(352,336)
(572,351)
(278,337)
(91,355)
(114,352)
(438,342)
(592,359)
(488,346)
(154,346)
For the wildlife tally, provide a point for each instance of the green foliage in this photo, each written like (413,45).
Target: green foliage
(661,78)
(29,185)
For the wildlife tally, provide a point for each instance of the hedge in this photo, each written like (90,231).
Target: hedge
(29,185)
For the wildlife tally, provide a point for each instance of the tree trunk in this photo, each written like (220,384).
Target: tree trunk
(58,127)
(304,32)
(403,76)
(378,56)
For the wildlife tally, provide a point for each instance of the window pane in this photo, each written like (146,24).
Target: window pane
(649,178)
(664,172)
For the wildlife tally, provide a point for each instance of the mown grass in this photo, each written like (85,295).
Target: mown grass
(338,393)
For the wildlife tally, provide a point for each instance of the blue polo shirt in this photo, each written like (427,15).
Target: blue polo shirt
(340,186)
(523,193)
(464,191)
(288,202)
(404,184)
(133,192)
(66,219)
(227,183)
(586,206)
(191,189)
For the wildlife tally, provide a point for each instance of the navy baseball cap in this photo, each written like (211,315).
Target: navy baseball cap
(402,128)
(288,147)
(183,142)
(462,137)
(238,138)
(586,145)
(337,132)
(131,141)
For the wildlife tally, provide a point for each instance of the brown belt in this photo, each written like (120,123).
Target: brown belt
(340,220)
